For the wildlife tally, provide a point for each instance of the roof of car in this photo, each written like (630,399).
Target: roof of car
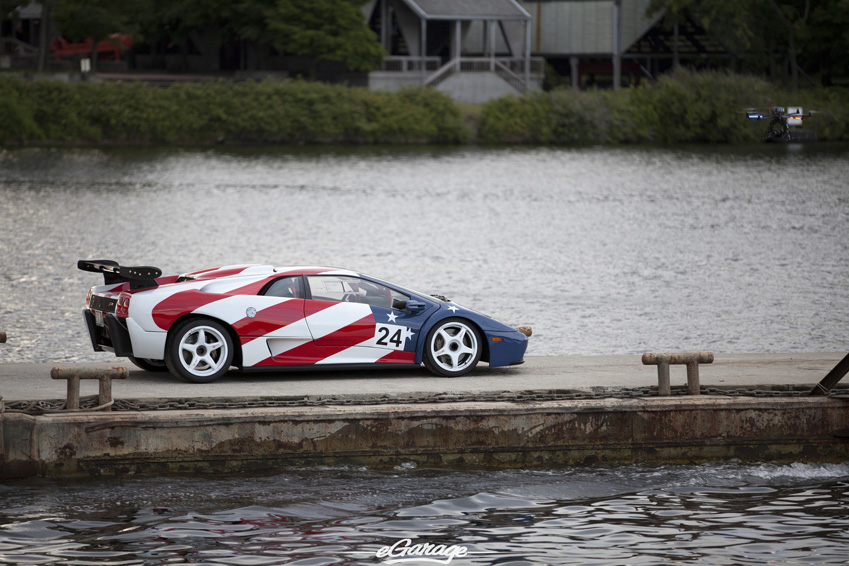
(245,270)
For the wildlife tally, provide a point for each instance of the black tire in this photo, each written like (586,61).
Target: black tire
(453,348)
(199,350)
(149,365)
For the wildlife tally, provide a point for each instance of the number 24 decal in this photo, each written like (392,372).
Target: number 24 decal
(397,339)
(391,336)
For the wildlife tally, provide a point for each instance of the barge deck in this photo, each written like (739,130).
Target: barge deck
(551,411)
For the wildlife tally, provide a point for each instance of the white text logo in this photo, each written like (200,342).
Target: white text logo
(405,551)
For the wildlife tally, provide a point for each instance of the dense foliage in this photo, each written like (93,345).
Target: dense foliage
(286,112)
(681,107)
(799,41)
(685,107)
(325,30)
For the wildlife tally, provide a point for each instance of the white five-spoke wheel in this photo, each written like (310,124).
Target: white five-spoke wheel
(453,348)
(199,351)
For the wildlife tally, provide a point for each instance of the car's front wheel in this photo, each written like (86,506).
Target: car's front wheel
(453,348)
(199,351)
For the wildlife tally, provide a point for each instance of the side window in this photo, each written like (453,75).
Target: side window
(354,290)
(329,287)
(287,287)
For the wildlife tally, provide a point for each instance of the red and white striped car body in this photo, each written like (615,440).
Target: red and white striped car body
(258,316)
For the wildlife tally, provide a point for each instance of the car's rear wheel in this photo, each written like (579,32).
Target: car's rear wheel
(452,348)
(149,365)
(199,351)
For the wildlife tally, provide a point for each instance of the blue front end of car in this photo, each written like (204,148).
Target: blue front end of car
(504,345)
(505,348)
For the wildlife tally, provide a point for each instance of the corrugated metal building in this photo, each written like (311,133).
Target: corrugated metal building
(579,38)
(567,28)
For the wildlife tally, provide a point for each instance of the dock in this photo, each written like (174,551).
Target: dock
(558,410)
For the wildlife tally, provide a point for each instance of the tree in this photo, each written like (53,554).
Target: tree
(767,29)
(174,23)
(723,19)
(95,19)
(44,35)
(824,41)
(790,17)
(325,30)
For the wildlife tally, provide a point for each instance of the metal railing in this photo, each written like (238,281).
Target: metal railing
(398,64)
(510,69)
(505,73)
(441,74)
(12,46)
(517,64)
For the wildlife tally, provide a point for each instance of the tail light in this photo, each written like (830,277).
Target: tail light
(122,309)
(88,298)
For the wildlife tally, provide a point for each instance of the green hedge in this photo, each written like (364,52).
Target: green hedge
(704,107)
(286,112)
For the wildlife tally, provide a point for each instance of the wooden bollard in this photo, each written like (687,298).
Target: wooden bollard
(104,376)
(691,360)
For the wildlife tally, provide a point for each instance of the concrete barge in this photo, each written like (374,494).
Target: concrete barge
(773,422)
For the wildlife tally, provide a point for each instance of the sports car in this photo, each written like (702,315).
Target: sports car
(199,324)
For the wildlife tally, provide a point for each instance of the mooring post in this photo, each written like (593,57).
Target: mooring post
(691,360)
(664,386)
(693,378)
(104,376)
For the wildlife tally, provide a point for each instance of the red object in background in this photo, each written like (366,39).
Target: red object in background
(117,43)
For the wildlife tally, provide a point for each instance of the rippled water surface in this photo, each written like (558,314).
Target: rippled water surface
(601,251)
(728,514)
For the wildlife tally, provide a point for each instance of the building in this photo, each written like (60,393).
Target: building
(608,43)
(474,50)
(19,38)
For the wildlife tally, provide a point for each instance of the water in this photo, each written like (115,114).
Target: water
(600,250)
(713,515)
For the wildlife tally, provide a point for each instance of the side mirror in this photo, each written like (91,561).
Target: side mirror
(415,306)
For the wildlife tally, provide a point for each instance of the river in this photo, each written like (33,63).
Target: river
(600,250)
(721,514)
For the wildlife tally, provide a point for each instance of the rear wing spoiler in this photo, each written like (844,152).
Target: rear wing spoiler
(139,277)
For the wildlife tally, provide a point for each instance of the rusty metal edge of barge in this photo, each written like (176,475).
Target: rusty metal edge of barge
(477,434)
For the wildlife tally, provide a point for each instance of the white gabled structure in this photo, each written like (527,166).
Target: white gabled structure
(472,49)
